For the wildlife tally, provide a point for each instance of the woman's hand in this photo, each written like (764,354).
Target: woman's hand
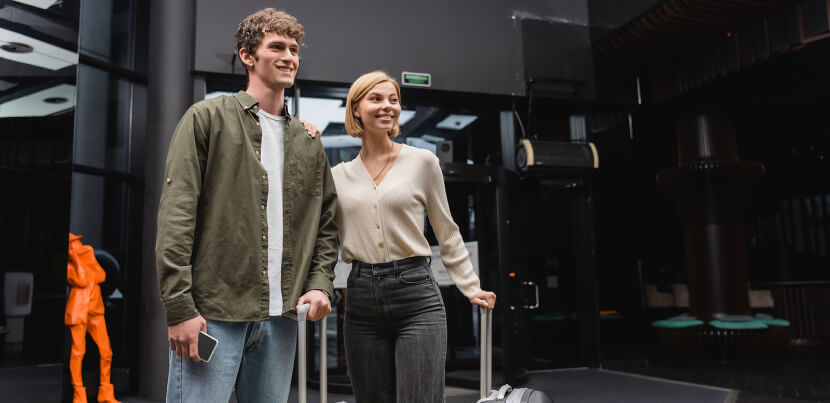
(310,129)
(484,298)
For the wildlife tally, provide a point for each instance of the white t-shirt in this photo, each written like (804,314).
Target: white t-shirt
(273,155)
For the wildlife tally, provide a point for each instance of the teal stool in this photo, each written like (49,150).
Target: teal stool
(775,322)
(676,323)
(742,325)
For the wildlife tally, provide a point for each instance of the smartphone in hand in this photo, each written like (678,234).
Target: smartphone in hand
(206,345)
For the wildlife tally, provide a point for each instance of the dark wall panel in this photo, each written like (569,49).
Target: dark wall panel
(608,15)
(468,47)
(614,13)
(561,54)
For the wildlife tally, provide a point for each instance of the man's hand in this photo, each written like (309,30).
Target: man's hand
(310,129)
(484,298)
(320,304)
(184,337)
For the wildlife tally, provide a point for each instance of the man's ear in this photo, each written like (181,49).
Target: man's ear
(246,58)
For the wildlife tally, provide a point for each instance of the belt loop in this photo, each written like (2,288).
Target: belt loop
(395,265)
(429,260)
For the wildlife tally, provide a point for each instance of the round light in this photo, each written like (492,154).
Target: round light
(16,47)
(55,100)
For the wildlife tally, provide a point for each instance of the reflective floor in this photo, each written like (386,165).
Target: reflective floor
(801,376)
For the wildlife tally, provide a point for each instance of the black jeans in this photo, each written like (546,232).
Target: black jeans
(395,333)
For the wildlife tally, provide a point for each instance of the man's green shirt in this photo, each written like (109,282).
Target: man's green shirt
(212,241)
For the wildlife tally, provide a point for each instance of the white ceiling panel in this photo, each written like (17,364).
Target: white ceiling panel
(36,105)
(43,54)
(44,4)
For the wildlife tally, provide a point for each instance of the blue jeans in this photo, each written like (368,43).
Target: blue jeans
(257,358)
(395,333)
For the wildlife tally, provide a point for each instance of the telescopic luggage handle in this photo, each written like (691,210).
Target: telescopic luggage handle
(505,393)
(486,370)
(302,315)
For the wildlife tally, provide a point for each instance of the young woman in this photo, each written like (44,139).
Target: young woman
(395,329)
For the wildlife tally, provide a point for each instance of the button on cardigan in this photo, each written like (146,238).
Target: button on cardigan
(385,222)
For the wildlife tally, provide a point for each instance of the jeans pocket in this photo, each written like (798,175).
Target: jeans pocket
(415,275)
(352,275)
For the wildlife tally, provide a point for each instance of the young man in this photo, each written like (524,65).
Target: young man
(246,229)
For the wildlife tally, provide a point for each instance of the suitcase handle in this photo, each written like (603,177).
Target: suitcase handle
(302,315)
(486,369)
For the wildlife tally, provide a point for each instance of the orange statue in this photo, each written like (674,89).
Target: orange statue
(85,312)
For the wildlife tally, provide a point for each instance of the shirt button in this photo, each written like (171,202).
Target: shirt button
(380,245)
(257,123)
(169,180)
(257,152)
(378,226)
(262,206)
(264,237)
(264,272)
(263,176)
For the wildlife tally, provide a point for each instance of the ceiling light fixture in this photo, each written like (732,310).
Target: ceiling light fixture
(55,100)
(41,54)
(456,122)
(39,104)
(16,47)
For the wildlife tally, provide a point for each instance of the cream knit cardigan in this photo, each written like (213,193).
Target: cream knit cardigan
(385,222)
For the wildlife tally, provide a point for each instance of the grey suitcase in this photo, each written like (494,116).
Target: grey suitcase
(505,393)
(302,390)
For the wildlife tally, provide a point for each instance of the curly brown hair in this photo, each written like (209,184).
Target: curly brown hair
(254,27)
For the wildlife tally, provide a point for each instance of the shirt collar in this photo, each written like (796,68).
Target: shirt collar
(249,103)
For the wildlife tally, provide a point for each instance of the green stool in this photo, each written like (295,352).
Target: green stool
(738,325)
(774,322)
(676,323)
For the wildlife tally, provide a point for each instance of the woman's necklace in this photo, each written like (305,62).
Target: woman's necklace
(388,157)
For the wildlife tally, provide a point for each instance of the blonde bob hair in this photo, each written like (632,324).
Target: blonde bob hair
(357,92)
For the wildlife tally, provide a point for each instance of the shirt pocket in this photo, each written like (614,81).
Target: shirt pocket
(309,178)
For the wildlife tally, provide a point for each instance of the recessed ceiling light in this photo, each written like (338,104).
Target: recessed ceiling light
(42,54)
(16,47)
(55,100)
(456,121)
(35,104)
